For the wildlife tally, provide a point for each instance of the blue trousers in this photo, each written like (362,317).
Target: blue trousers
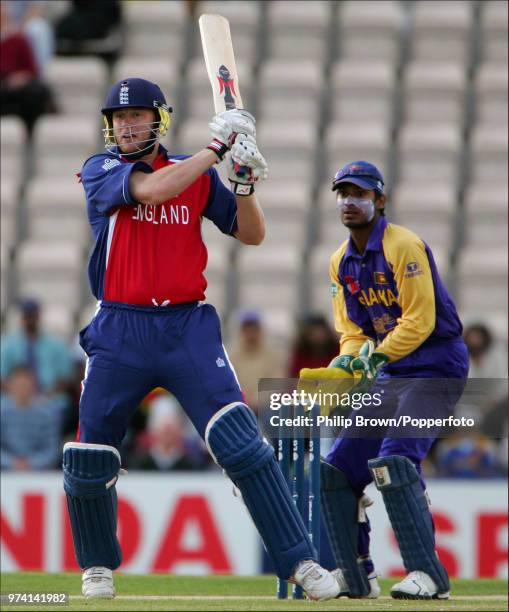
(131,350)
(419,393)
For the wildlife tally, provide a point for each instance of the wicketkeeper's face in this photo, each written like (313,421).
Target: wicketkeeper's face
(356,205)
(133,128)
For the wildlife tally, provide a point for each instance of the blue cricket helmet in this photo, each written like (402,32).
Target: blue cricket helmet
(135,93)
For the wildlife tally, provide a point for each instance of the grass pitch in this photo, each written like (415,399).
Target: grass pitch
(232,593)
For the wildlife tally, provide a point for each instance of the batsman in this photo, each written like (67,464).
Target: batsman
(153,327)
(397,323)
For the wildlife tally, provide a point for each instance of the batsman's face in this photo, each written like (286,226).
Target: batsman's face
(356,205)
(133,128)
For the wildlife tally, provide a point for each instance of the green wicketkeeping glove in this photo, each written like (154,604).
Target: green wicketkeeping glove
(368,363)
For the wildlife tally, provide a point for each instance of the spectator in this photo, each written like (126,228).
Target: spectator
(28,17)
(45,355)
(316,345)
(253,357)
(22,93)
(166,445)
(468,457)
(487,357)
(90,26)
(30,425)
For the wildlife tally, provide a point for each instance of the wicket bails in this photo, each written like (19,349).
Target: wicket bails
(291,457)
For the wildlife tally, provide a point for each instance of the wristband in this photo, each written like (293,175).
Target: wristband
(241,189)
(219,148)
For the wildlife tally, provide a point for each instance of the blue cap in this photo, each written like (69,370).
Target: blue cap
(360,173)
(134,93)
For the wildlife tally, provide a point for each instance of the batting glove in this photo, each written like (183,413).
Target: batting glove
(246,165)
(225,128)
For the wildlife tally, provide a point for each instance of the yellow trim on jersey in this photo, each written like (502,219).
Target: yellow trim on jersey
(352,336)
(406,253)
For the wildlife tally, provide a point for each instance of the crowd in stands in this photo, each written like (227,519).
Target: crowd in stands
(41,382)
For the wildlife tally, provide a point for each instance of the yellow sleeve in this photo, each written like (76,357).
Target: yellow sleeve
(352,336)
(406,252)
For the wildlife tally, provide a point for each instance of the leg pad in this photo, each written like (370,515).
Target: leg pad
(408,509)
(90,474)
(340,507)
(233,439)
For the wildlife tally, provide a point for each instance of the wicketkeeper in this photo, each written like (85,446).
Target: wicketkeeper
(388,296)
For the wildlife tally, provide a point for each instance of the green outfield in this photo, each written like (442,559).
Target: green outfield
(161,592)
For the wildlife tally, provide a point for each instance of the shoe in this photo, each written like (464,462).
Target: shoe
(374,587)
(318,582)
(417,585)
(97,583)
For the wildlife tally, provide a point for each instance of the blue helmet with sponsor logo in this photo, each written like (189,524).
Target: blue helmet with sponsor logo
(360,173)
(136,93)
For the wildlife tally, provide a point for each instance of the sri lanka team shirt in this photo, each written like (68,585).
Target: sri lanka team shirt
(150,255)
(392,293)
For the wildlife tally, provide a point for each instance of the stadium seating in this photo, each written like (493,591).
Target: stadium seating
(494,31)
(441,30)
(486,215)
(429,209)
(57,214)
(489,154)
(296,29)
(347,141)
(12,154)
(62,143)
(418,88)
(290,90)
(155,29)
(80,84)
(362,90)
(430,152)
(491,94)
(434,92)
(52,272)
(370,30)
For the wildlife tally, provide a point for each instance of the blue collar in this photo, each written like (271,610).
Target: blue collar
(374,240)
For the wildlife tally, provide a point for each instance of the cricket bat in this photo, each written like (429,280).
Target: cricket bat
(217,46)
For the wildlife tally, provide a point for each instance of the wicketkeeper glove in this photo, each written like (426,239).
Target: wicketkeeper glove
(332,382)
(367,365)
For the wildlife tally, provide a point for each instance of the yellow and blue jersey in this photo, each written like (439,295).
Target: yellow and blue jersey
(393,294)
